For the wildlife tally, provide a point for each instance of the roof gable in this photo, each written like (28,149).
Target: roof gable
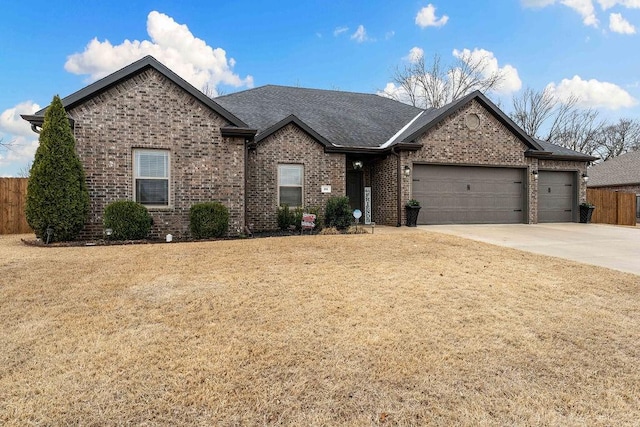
(434,116)
(127,72)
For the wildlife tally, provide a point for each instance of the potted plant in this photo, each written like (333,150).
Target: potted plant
(586,210)
(412,209)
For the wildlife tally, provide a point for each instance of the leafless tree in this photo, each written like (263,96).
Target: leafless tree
(619,138)
(540,114)
(434,84)
(25,171)
(580,130)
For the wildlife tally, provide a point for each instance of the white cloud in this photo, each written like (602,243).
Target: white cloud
(537,3)
(630,4)
(389,34)
(12,123)
(511,80)
(426,17)
(487,60)
(360,35)
(17,132)
(414,54)
(583,7)
(340,30)
(593,93)
(618,24)
(172,44)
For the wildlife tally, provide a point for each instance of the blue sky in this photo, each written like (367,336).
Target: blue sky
(582,47)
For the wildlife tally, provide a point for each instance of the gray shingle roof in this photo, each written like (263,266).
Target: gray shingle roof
(559,151)
(343,118)
(621,170)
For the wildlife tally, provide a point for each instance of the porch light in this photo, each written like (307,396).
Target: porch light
(357,164)
(585,178)
(535,174)
(407,171)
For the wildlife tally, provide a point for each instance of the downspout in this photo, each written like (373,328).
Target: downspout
(247,229)
(399,189)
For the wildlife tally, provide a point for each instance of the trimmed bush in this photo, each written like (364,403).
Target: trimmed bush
(207,220)
(288,217)
(128,220)
(57,195)
(285,217)
(337,213)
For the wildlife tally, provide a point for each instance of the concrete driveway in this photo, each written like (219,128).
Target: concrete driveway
(597,244)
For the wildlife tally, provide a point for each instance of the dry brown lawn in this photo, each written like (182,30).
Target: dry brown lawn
(394,328)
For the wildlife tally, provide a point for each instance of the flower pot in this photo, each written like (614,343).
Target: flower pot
(585,214)
(412,215)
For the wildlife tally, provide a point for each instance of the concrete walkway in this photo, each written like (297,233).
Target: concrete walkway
(608,246)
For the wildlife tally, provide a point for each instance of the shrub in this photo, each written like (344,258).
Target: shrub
(207,220)
(57,195)
(285,217)
(288,217)
(128,220)
(337,213)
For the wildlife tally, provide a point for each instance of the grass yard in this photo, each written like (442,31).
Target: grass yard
(400,327)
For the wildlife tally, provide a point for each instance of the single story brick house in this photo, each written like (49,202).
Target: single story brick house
(620,174)
(145,134)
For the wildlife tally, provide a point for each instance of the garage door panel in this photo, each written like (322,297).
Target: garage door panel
(463,194)
(556,196)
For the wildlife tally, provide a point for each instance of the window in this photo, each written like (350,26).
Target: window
(151,177)
(290,179)
(638,206)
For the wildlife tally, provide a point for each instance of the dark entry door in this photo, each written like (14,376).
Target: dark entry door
(354,189)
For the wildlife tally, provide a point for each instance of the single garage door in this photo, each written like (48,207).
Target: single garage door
(556,196)
(468,194)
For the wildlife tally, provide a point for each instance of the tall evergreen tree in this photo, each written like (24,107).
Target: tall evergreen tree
(57,196)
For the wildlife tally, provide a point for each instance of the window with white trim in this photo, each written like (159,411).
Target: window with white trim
(290,178)
(151,177)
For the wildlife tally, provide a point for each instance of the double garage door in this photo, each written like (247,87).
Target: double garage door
(485,195)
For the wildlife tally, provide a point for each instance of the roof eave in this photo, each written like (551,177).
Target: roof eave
(247,133)
(138,66)
(293,119)
(551,156)
(485,102)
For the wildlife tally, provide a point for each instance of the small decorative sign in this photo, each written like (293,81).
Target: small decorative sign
(357,214)
(367,205)
(308,221)
(325,189)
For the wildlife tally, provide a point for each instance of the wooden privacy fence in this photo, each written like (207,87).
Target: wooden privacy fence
(612,207)
(13,195)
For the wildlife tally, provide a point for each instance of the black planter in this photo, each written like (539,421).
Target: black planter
(585,214)
(412,215)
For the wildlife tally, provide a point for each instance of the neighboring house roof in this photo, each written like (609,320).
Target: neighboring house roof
(125,73)
(621,170)
(344,119)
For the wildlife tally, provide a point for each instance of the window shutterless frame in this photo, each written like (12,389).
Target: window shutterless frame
(151,177)
(290,185)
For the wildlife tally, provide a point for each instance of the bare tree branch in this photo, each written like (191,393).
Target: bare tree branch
(426,85)
(619,138)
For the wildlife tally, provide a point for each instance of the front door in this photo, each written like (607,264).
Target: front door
(354,189)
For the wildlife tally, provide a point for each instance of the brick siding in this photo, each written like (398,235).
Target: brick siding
(290,145)
(451,142)
(149,111)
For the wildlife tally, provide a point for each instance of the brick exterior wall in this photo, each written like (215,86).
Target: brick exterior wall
(290,145)
(451,142)
(149,111)
(384,190)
